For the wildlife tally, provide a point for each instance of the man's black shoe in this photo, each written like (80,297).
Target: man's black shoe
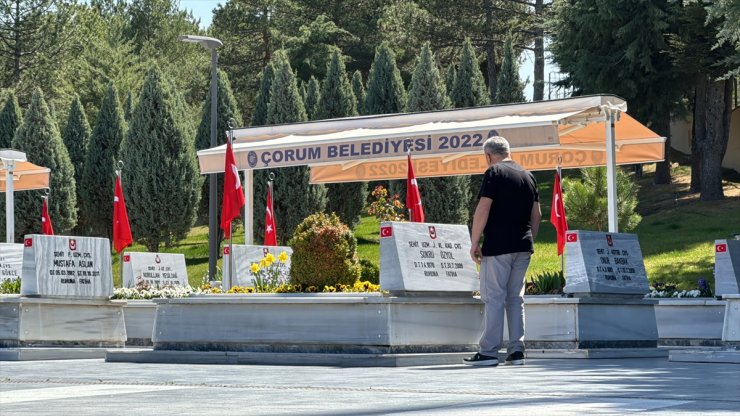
(480,359)
(515,358)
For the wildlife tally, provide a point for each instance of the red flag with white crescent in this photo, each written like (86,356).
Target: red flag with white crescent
(413,197)
(233,199)
(122,237)
(557,214)
(270,227)
(46,227)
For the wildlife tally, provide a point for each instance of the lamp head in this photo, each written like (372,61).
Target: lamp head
(204,41)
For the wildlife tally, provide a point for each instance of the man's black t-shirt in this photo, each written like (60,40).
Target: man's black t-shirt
(513,191)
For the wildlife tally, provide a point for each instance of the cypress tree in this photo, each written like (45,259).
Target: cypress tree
(128,108)
(161,177)
(99,169)
(450,79)
(358,88)
(259,117)
(293,197)
(469,89)
(40,139)
(226,109)
(509,88)
(385,91)
(445,199)
(76,137)
(302,90)
(10,120)
(337,100)
(313,93)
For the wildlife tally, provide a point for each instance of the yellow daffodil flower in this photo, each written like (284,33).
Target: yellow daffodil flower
(283,257)
(255,268)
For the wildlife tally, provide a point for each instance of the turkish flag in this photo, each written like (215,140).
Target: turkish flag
(557,214)
(233,194)
(720,248)
(270,227)
(121,228)
(413,197)
(386,232)
(46,227)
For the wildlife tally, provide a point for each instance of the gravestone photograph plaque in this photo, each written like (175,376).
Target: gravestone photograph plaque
(62,266)
(604,263)
(154,269)
(11,260)
(422,257)
(726,267)
(245,255)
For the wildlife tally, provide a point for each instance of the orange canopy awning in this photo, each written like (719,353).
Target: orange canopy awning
(26,177)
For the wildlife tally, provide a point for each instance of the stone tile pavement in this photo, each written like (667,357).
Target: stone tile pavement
(541,387)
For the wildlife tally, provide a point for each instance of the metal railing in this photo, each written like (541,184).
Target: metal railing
(555,91)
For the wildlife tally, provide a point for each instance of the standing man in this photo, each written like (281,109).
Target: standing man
(508,215)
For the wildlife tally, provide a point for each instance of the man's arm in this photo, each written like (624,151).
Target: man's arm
(534,219)
(480,218)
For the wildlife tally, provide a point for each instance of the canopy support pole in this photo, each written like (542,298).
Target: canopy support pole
(249,207)
(612,115)
(9,203)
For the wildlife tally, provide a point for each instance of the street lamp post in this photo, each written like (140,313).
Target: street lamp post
(211,44)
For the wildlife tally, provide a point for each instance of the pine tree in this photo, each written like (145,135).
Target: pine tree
(469,89)
(161,177)
(76,137)
(385,91)
(302,90)
(226,109)
(10,120)
(313,92)
(293,197)
(39,138)
(445,199)
(509,88)
(358,88)
(99,169)
(337,100)
(259,117)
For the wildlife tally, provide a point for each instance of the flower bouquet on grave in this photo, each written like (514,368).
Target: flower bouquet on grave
(270,272)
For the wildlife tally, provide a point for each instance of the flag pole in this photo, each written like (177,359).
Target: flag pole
(410,212)
(560,177)
(120,255)
(225,287)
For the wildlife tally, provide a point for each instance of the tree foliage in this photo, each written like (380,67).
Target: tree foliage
(358,88)
(510,88)
(40,139)
(10,120)
(469,89)
(385,91)
(99,170)
(313,94)
(337,100)
(226,109)
(586,201)
(293,197)
(259,116)
(161,177)
(76,138)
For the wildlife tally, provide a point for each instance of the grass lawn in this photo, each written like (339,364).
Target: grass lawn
(676,234)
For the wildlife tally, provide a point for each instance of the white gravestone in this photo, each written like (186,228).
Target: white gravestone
(422,257)
(726,267)
(11,260)
(62,266)
(245,255)
(154,269)
(604,263)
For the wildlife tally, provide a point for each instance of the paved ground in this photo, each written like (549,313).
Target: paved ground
(547,387)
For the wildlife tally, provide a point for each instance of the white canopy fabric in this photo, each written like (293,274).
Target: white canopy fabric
(533,126)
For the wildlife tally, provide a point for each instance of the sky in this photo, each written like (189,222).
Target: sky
(203,9)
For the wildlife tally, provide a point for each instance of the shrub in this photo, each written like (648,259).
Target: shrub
(546,283)
(324,253)
(586,201)
(10,286)
(370,271)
